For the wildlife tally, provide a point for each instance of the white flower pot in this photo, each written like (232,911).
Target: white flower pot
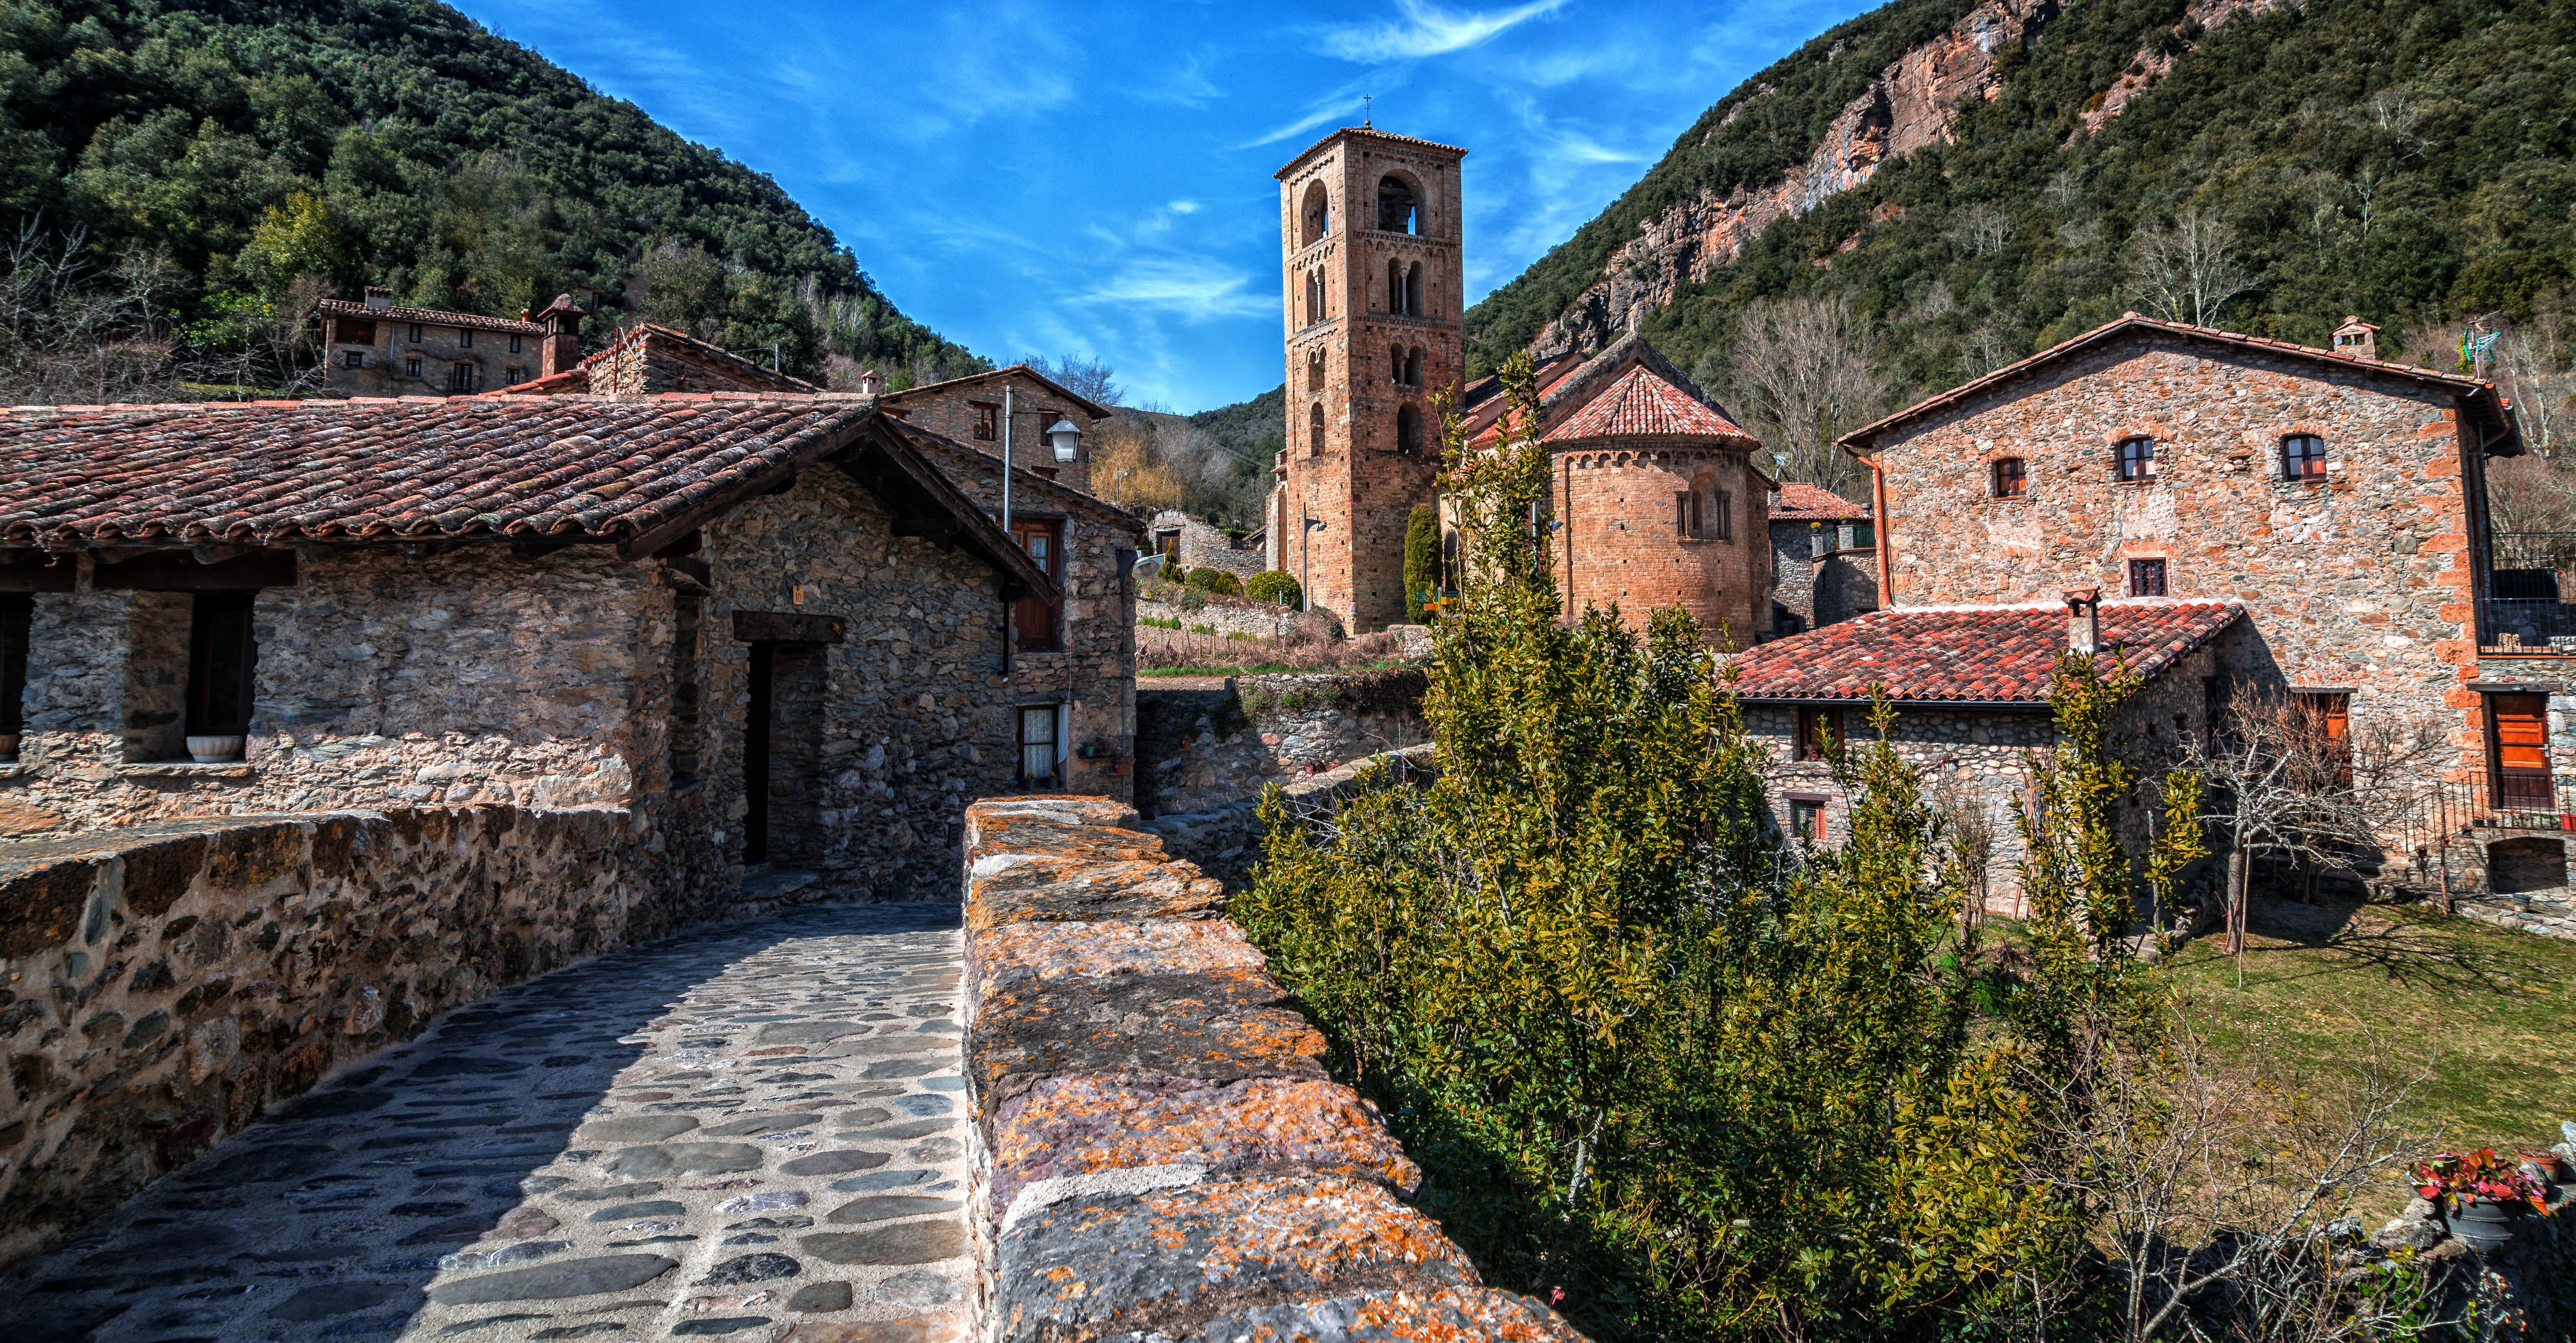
(215,750)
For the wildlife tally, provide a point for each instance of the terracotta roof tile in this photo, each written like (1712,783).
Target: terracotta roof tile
(341,307)
(1640,404)
(1800,502)
(561,467)
(1978,654)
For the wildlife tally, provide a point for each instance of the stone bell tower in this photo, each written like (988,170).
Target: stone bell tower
(1373,290)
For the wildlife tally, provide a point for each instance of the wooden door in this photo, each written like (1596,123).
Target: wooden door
(2518,735)
(1033,622)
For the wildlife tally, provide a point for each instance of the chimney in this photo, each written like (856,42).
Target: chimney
(871,383)
(562,341)
(379,300)
(2357,338)
(2083,620)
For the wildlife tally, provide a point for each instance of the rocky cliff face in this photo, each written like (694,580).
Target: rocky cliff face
(1912,103)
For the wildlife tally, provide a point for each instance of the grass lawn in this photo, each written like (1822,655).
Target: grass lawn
(2492,1012)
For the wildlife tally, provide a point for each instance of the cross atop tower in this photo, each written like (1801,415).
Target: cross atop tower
(1372,287)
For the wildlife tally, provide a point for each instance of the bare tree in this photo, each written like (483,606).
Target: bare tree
(1979,228)
(71,333)
(2189,272)
(1091,379)
(2531,363)
(1973,835)
(2287,777)
(2224,1194)
(1806,370)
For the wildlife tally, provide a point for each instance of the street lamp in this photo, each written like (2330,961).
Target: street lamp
(1065,437)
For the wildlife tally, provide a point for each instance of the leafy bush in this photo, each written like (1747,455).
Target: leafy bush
(1651,1059)
(1209,578)
(1273,585)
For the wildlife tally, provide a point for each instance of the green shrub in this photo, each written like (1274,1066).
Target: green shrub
(1202,629)
(1218,581)
(1272,585)
(1160,622)
(1421,560)
(1646,1054)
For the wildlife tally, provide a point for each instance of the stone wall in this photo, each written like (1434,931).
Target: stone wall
(1194,544)
(1158,1149)
(1232,615)
(467,676)
(1225,840)
(953,410)
(1197,749)
(165,983)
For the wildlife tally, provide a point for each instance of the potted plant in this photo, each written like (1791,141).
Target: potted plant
(2480,1194)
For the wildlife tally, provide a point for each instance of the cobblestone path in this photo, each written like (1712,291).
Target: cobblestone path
(753,1131)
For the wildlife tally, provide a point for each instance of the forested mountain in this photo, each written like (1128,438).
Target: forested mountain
(398,142)
(1967,184)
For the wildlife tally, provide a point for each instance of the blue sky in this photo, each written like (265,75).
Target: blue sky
(1095,179)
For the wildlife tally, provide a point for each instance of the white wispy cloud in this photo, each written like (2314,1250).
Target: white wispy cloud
(1428,29)
(1335,106)
(1196,289)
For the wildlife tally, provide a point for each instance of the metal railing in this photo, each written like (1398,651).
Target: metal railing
(2531,578)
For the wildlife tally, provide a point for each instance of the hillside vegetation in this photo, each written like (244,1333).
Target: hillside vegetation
(249,146)
(2406,162)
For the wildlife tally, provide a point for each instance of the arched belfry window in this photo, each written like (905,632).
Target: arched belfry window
(1316,215)
(1397,210)
(1395,287)
(1413,291)
(1315,373)
(1395,360)
(1314,297)
(1315,431)
(1413,368)
(1408,430)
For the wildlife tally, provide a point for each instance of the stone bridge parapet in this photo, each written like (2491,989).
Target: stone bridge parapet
(1159,1152)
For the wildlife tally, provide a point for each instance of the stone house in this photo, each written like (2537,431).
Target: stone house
(977,409)
(1970,688)
(1655,499)
(2336,499)
(778,630)
(1824,559)
(1186,542)
(376,348)
(645,358)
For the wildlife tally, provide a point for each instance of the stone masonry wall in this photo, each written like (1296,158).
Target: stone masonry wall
(468,676)
(2363,579)
(1158,1150)
(1616,539)
(166,983)
(1202,545)
(1197,749)
(950,410)
(1225,839)
(1230,615)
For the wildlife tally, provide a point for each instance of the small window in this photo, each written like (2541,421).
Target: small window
(514,375)
(2010,478)
(1819,730)
(2327,717)
(1807,819)
(461,378)
(514,344)
(221,653)
(2303,457)
(1722,516)
(1408,430)
(465,338)
(1315,432)
(353,359)
(2146,578)
(17,617)
(988,420)
(2137,459)
(1681,512)
(411,366)
(1037,746)
(415,333)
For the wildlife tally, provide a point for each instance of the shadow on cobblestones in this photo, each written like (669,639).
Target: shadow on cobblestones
(729,1132)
